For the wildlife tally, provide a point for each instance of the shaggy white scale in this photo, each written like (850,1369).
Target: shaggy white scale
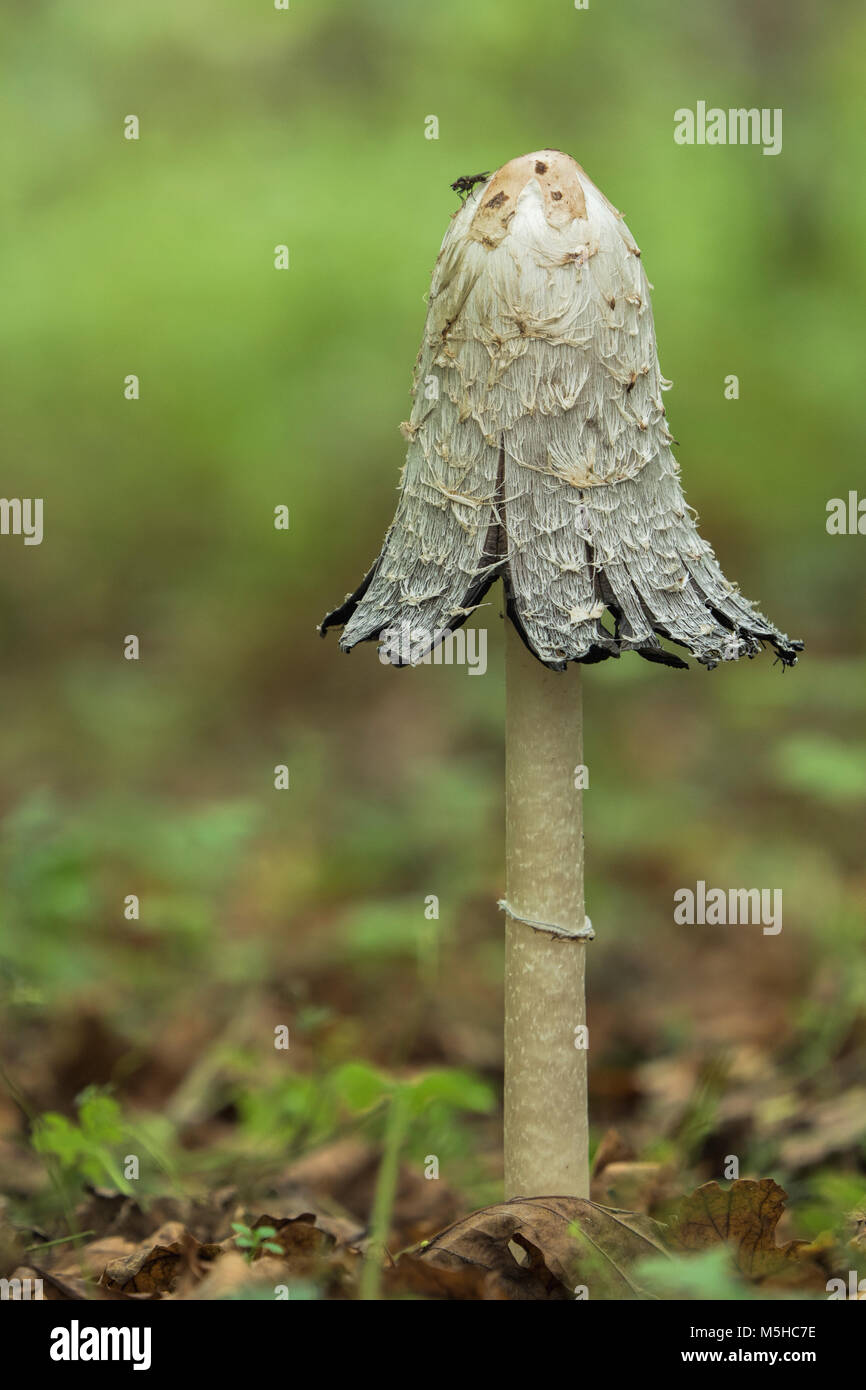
(538,448)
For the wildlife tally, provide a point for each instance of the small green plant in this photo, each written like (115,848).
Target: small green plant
(255,1240)
(85,1150)
(404,1103)
(94,1149)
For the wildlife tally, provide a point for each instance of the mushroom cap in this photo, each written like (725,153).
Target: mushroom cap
(538,447)
(557,177)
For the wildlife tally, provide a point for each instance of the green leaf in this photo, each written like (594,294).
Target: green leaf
(360,1086)
(100,1117)
(54,1134)
(458,1089)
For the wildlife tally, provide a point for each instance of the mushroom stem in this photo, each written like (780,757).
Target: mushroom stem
(546,1124)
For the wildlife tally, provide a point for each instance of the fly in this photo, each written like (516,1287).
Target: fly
(467,182)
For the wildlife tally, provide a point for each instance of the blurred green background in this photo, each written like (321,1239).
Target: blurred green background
(260,387)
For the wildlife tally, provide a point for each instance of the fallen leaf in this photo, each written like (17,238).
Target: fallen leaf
(339,1229)
(70,1288)
(154,1268)
(566,1242)
(743,1217)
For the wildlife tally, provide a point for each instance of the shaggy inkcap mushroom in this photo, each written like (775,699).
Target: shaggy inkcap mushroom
(538,448)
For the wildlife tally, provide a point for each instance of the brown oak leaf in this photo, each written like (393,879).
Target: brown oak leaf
(566,1243)
(744,1217)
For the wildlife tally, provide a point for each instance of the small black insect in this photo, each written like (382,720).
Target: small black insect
(466,184)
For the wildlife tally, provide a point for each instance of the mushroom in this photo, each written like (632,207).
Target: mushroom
(539,452)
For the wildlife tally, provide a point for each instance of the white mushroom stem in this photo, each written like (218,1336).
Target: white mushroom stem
(546,1126)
